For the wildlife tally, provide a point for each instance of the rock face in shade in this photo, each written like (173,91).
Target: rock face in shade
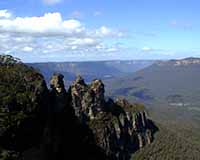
(58,124)
(58,94)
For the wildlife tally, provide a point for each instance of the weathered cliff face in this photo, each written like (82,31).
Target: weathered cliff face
(87,100)
(39,124)
(119,128)
(120,136)
(136,121)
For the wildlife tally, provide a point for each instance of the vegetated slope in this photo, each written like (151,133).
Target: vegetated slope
(90,70)
(163,81)
(169,145)
(22,93)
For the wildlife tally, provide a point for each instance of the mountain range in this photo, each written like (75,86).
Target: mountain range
(169,89)
(83,114)
(92,69)
(168,86)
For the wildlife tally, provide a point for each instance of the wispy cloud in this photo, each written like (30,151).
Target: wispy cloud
(104,31)
(97,13)
(51,2)
(157,52)
(181,24)
(76,14)
(27,49)
(147,49)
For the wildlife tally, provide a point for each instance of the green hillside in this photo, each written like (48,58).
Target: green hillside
(169,145)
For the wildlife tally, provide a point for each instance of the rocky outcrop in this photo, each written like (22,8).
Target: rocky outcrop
(58,113)
(67,134)
(122,130)
(59,98)
(39,124)
(87,100)
(119,128)
(137,121)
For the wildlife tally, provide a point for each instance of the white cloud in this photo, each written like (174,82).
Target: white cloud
(52,36)
(107,32)
(156,51)
(181,24)
(27,49)
(84,42)
(97,13)
(49,24)
(74,47)
(112,49)
(174,22)
(52,24)
(5,14)
(51,2)
(147,49)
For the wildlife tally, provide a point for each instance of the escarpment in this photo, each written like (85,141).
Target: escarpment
(40,123)
(119,128)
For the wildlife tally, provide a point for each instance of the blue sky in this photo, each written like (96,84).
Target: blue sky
(78,30)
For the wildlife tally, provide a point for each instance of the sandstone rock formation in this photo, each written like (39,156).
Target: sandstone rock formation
(87,100)
(119,128)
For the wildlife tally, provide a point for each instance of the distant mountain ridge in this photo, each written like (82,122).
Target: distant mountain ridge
(92,69)
(169,88)
(181,62)
(162,78)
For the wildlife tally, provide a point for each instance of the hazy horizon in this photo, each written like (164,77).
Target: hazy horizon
(107,60)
